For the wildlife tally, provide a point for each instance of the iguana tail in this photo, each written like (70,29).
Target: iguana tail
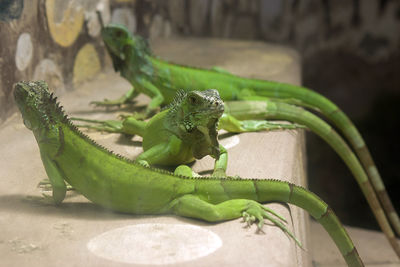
(318,209)
(278,110)
(305,97)
(224,199)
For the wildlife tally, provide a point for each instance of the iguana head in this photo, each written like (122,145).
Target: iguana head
(38,107)
(120,42)
(194,116)
(200,109)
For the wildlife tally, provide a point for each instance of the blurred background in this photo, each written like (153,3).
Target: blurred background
(349,49)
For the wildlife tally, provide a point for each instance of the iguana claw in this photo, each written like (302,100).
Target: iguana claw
(257,212)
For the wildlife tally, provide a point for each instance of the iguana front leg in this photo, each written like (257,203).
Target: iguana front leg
(124,99)
(144,86)
(221,163)
(128,125)
(56,177)
(156,96)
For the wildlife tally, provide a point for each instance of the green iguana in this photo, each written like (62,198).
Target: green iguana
(184,131)
(122,185)
(160,80)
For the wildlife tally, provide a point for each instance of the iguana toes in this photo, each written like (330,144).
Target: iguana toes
(160,80)
(122,185)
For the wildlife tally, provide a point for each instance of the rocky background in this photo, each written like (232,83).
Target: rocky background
(350,51)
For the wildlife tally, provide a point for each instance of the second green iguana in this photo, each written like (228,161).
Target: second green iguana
(185,130)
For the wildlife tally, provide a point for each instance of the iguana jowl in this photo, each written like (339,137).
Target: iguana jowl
(122,185)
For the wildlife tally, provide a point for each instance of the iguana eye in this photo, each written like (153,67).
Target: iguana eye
(192,100)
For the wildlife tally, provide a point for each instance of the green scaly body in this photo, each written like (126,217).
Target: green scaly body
(122,185)
(160,80)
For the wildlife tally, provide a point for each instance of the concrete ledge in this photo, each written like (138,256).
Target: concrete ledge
(38,234)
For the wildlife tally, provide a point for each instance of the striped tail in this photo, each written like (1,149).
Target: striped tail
(274,190)
(358,144)
(277,110)
(305,97)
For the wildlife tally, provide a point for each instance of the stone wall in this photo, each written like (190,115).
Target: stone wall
(369,28)
(54,40)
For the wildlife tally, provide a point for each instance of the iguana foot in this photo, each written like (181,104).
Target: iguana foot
(46,186)
(111,103)
(47,199)
(255,212)
(127,98)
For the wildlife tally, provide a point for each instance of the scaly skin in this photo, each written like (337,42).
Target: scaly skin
(122,185)
(160,80)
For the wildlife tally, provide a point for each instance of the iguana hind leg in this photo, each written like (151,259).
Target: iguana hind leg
(157,97)
(251,211)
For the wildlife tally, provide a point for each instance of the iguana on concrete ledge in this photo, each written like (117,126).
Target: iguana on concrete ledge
(181,133)
(160,80)
(117,183)
(184,131)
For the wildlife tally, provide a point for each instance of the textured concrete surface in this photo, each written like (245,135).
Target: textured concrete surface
(372,246)
(80,233)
